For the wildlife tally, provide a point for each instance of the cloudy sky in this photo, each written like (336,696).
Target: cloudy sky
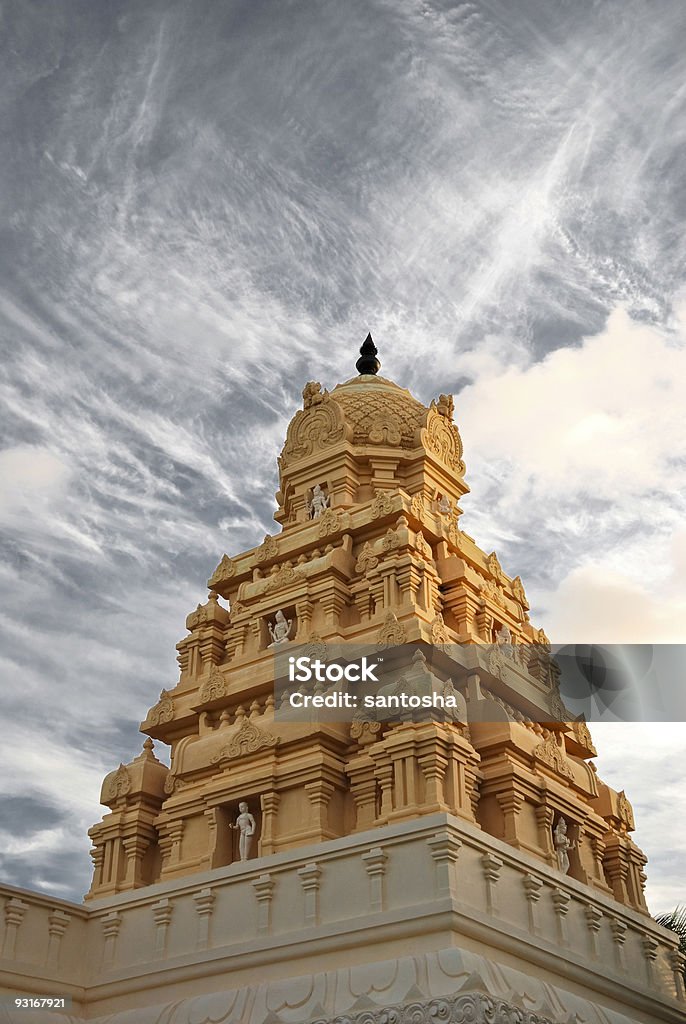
(202,206)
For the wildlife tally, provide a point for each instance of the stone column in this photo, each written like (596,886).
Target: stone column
(491,866)
(111,924)
(204,904)
(14,915)
(594,917)
(561,906)
(309,879)
(162,913)
(57,926)
(375,864)
(269,804)
(532,888)
(445,848)
(264,893)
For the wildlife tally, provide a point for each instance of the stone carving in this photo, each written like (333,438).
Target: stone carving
(423,546)
(562,845)
(382,504)
(439,632)
(267,549)
(316,649)
(626,813)
(385,430)
(196,618)
(163,711)
(417,505)
(320,425)
(364,730)
(550,753)
(172,784)
(391,633)
(490,589)
(245,824)
(495,568)
(319,503)
(248,740)
(312,394)
(445,506)
(117,785)
(215,686)
(518,591)
(441,437)
(330,521)
(391,540)
(503,639)
(366,559)
(280,631)
(390,412)
(224,571)
(583,735)
(283,576)
(470,1008)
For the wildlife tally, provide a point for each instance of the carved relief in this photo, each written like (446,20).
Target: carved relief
(364,730)
(284,576)
(267,549)
(382,504)
(117,785)
(316,649)
(439,632)
(163,711)
(417,505)
(320,425)
(625,810)
(519,593)
(550,753)
(196,618)
(385,430)
(224,571)
(330,521)
(391,540)
(471,1008)
(423,547)
(248,740)
(495,568)
(366,559)
(441,437)
(215,686)
(391,633)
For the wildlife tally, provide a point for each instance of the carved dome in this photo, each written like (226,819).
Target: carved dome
(379,410)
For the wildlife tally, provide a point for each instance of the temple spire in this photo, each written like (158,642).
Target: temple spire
(368,363)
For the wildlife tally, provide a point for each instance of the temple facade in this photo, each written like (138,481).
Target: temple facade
(469,866)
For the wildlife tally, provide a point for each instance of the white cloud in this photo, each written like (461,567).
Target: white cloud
(33,479)
(606,419)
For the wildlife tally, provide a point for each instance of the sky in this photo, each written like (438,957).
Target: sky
(202,207)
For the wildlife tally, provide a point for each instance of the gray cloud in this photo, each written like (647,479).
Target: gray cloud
(203,206)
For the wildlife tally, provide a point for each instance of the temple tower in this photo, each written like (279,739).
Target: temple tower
(369,551)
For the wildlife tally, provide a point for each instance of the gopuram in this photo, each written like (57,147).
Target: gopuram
(368,866)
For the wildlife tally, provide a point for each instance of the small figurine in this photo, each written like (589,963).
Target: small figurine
(503,639)
(281,629)
(562,845)
(245,823)
(319,503)
(444,505)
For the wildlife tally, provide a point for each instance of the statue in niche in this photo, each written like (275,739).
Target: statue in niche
(281,630)
(319,503)
(444,505)
(245,823)
(563,845)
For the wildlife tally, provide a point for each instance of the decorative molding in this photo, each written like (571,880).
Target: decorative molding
(215,686)
(117,785)
(392,633)
(267,549)
(162,712)
(248,740)
(224,571)
(548,752)
(382,505)
(366,559)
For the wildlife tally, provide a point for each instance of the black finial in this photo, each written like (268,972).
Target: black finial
(368,363)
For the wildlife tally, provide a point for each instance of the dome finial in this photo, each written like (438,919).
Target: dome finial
(368,363)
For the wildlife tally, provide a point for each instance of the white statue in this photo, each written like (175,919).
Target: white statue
(319,503)
(562,845)
(503,639)
(444,505)
(281,629)
(245,823)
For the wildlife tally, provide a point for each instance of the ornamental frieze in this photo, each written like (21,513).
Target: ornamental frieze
(470,1008)
(249,739)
